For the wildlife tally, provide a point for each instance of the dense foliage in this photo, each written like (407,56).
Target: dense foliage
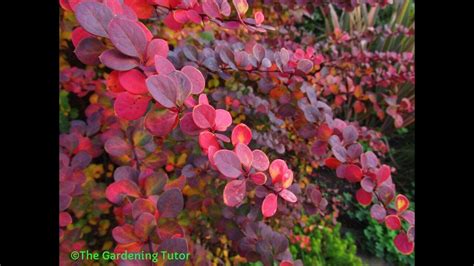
(205,126)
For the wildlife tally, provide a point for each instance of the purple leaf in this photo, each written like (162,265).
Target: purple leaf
(88,50)
(170,203)
(94,17)
(128,37)
(228,163)
(116,60)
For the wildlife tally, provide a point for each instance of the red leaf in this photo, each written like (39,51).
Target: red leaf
(141,8)
(403,244)
(288,195)
(144,225)
(204,116)
(129,106)
(383,174)
(171,22)
(260,160)
(259,178)
(78,34)
(133,81)
(234,192)
(64,219)
(269,205)
(363,197)
(206,140)
(118,190)
(241,134)
(286,263)
(113,83)
(161,122)
(332,162)
(128,37)
(353,173)
(245,155)
(277,170)
(401,203)
(228,163)
(393,222)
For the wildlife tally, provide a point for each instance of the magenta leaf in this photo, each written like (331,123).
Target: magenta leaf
(269,205)
(88,50)
(234,192)
(170,203)
(116,60)
(204,116)
(117,191)
(94,17)
(228,163)
(128,37)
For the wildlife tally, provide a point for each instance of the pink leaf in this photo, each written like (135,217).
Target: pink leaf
(260,160)
(163,65)
(156,47)
(288,195)
(223,120)
(204,116)
(197,79)
(245,155)
(234,192)
(241,134)
(228,163)
(269,205)
(259,178)
(208,139)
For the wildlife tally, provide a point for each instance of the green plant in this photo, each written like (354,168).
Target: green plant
(376,238)
(323,244)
